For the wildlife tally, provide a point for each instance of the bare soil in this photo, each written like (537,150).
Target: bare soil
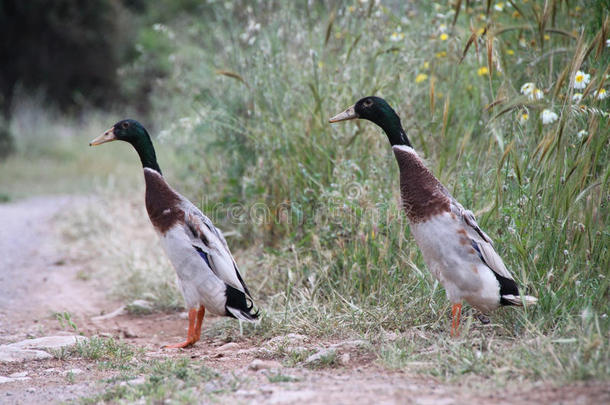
(38,279)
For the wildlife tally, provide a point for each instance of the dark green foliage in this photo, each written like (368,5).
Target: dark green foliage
(6,140)
(68,48)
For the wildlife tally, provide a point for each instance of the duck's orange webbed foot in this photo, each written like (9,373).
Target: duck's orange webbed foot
(191,336)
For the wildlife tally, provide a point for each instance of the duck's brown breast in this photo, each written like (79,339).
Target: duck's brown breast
(162,202)
(421,193)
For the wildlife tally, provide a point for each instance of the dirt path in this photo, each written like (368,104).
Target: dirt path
(38,279)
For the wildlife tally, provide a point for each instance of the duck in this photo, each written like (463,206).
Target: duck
(207,273)
(458,253)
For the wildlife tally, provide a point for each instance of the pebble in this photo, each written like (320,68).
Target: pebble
(258,364)
(228,346)
(319,355)
(18,375)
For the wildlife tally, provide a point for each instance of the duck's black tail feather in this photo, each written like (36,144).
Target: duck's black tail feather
(509,293)
(239,305)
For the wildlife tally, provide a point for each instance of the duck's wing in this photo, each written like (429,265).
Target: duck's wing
(480,241)
(212,247)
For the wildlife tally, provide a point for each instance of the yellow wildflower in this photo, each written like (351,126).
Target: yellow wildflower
(444,37)
(483,71)
(480,31)
(441,54)
(510,52)
(421,78)
(547,37)
(523,117)
(426,65)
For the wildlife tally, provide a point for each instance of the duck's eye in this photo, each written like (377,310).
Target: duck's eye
(125,125)
(368,103)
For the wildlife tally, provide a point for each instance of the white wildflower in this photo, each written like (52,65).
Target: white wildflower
(601,94)
(537,94)
(608,43)
(397,36)
(582,133)
(581,80)
(577,97)
(499,6)
(528,88)
(548,116)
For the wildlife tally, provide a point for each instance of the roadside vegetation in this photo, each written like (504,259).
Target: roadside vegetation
(505,100)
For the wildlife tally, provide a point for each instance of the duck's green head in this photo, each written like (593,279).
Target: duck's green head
(378,111)
(133,132)
(126,130)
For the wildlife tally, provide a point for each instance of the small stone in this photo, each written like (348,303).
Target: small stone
(133,382)
(140,306)
(246,393)
(345,358)
(137,381)
(8,355)
(117,312)
(318,356)
(246,351)
(210,387)
(18,375)
(129,334)
(349,344)
(31,390)
(45,343)
(228,346)
(291,338)
(5,380)
(74,371)
(258,364)
(266,389)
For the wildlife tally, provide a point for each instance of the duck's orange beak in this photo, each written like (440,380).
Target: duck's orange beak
(349,114)
(107,136)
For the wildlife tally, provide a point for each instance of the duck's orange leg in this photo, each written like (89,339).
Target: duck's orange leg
(456,312)
(200,314)
(190,335)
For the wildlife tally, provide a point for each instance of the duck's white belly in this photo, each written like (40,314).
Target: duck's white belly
(449,255)
(198,283)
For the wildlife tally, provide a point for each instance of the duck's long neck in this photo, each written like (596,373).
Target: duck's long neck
(146,151)
(393,129)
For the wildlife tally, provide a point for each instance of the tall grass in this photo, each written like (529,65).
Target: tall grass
(315,208)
